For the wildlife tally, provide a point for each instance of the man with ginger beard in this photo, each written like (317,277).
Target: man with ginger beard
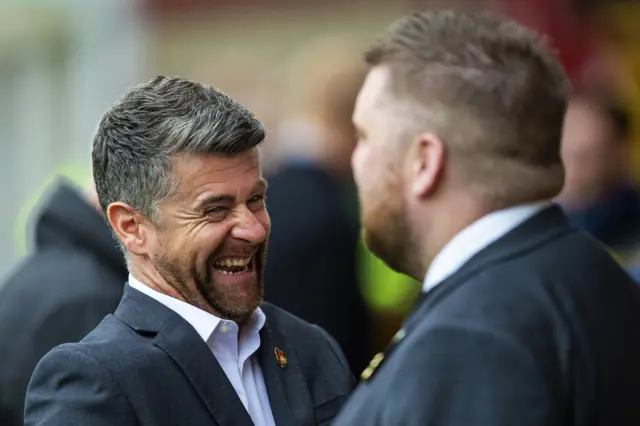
(178,176)
(523,319)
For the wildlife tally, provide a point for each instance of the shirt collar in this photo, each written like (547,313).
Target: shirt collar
(202,321)
(474,238)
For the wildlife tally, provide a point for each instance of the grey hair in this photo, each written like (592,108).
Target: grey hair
(156,121)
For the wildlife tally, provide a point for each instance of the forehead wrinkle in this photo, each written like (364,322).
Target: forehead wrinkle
(235,193)
(222,168)
(218,175)
(195,172)
(183,163)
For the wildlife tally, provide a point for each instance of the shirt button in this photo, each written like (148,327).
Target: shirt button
(224,329)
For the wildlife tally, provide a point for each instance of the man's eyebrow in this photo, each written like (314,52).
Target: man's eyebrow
(262,184)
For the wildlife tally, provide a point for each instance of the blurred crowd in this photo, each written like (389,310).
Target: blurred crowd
(318,268)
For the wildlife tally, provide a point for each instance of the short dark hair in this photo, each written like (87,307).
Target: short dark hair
(500,88)
(152,123)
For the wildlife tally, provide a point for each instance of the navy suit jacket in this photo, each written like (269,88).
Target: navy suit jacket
(541,328)
(145,365)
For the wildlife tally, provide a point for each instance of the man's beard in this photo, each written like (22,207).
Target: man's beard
(385,233)
(385,226)
(180,273)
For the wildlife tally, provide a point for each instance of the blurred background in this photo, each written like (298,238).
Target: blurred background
(297,65)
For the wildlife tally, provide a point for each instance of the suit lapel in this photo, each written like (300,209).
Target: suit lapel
(182,343)
(190,352)
(289,395)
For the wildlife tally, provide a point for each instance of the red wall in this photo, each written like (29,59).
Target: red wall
(558,20)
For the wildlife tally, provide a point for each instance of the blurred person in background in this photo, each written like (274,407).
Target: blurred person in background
(600,194)
(312,269)
(72,280)
(178,176)
(523,320)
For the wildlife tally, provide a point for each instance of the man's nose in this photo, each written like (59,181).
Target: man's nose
(248,227)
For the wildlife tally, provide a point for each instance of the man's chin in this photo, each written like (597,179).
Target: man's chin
(236,297)
(235,301)
(238,310)
(388,253)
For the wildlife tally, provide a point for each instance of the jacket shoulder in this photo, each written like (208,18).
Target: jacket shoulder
(111,342)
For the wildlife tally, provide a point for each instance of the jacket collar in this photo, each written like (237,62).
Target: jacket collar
(544,226)
(289,396)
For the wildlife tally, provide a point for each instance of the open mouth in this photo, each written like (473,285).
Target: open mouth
(233,265)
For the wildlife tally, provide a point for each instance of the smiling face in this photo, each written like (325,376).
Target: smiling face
(210,244)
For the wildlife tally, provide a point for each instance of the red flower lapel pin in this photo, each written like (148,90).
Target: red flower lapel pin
(281,358)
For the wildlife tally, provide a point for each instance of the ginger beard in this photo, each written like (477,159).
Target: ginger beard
(384,220)
(200,280)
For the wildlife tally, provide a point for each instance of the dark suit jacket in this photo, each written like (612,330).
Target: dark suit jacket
(541,328)
(61,292)
(145,365)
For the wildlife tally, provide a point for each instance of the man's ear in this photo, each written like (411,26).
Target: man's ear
(426,164)
(129,226)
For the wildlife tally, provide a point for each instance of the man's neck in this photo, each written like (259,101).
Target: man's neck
(446,222)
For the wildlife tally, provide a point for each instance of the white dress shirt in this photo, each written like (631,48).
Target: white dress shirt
(234,353)
(476,237)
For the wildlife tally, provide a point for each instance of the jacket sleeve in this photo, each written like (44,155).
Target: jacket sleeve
(472,376)
(69,387)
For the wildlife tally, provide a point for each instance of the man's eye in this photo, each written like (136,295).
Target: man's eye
(256,198)
(216,210)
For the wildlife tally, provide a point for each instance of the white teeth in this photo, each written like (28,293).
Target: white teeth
(222,265)
(228,262)
(245,269)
